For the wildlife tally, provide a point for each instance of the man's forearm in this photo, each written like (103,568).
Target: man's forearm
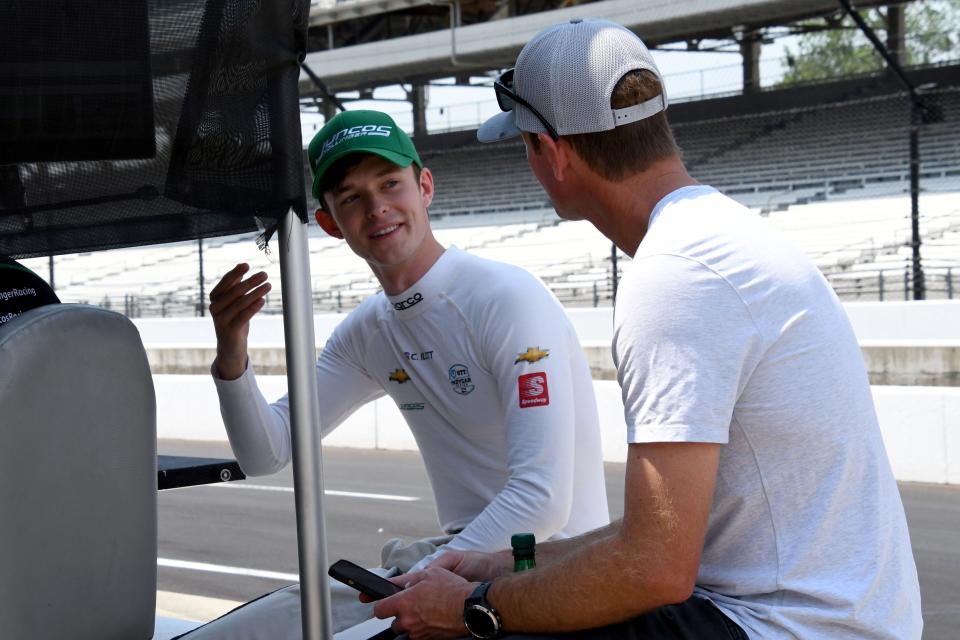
(649,559)
(550,551)
(602,568)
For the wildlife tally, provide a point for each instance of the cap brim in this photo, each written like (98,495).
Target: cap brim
(499,127)
(398,159)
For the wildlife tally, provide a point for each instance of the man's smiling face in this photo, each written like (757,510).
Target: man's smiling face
(380,209)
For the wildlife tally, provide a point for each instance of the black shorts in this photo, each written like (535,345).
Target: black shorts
(695,619)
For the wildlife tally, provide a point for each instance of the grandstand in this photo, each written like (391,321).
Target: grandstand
(862,246)
(854,149)
(828,163)
(834,175)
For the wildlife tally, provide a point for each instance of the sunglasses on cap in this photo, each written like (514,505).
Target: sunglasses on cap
(506,97)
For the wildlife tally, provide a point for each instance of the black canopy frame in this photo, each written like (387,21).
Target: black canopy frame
(225,158)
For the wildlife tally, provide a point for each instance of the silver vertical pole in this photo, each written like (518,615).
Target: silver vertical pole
(305,427)
(201,304)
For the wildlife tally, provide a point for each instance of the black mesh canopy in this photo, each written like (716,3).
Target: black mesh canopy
(222,153)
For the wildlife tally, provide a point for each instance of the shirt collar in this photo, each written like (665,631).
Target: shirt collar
(423,293)
(675,196)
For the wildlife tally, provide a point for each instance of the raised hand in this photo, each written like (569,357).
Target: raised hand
(232,303)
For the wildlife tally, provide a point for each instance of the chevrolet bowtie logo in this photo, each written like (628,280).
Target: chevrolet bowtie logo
(400,376)
(531,355)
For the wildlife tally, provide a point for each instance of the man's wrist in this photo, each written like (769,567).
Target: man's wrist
(481,618)
(230,368)
(504,563)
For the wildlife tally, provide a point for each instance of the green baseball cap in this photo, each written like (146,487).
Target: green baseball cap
(358,132)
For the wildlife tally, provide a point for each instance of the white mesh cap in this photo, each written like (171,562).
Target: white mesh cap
(568,73)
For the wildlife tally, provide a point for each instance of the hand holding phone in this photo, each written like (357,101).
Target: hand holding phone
(364,581)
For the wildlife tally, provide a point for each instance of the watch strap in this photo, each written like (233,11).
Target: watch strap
(479,594)
(477,604)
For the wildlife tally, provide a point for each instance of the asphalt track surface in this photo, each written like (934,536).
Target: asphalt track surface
(253,528)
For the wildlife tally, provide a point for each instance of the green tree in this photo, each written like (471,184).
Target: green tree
(840,49)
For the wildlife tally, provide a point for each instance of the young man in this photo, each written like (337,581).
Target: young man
(478,355)
(759,500)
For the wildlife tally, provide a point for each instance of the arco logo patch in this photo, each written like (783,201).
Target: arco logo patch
(533,390)
(413,300)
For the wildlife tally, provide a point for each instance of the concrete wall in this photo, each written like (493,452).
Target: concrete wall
(911,344)
(921,430)
(187,409)
(930,320)
(920,424)
(937,320)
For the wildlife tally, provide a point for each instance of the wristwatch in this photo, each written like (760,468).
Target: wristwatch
(479,616)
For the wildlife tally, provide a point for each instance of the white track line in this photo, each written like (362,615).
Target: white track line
(219,568)
(329,492)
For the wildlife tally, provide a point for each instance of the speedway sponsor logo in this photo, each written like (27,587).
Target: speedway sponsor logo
(399,376)
(418,355)
(533,390)
(413,300)
(412,406)
(358,131)
(460,379)
(531,355)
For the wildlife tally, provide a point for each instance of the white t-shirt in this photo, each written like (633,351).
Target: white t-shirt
(726,333)
(487,370)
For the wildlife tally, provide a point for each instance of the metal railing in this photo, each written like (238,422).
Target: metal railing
(942,283)
(896,284)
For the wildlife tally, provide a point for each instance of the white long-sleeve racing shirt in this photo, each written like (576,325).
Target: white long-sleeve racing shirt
(487,370)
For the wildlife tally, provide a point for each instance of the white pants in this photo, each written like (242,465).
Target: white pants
(276,616)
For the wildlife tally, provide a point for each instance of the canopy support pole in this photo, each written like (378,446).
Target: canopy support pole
(305,427)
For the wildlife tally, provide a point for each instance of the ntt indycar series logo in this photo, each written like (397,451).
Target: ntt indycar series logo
(359,131)
(460,379)
(413,300)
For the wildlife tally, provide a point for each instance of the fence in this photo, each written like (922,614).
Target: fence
(943,283)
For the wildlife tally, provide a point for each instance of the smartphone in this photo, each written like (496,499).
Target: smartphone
(364,581)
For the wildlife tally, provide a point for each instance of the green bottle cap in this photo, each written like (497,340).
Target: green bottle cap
(522,541)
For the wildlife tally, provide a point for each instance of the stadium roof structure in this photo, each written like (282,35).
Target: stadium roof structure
(478,48)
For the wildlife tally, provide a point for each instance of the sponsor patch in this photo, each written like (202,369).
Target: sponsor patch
(412,406)
(399,375)
(460,379)
(533,390)
(418,355)
(531,355)
(355,132)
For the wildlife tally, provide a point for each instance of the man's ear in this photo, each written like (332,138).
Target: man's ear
(328,224)
(557,154)
(426,187)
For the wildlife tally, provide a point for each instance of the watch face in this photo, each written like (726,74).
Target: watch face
(481,622)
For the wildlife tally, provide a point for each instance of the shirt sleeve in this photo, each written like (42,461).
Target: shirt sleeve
(259,431)
(525,340)
(685,345)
